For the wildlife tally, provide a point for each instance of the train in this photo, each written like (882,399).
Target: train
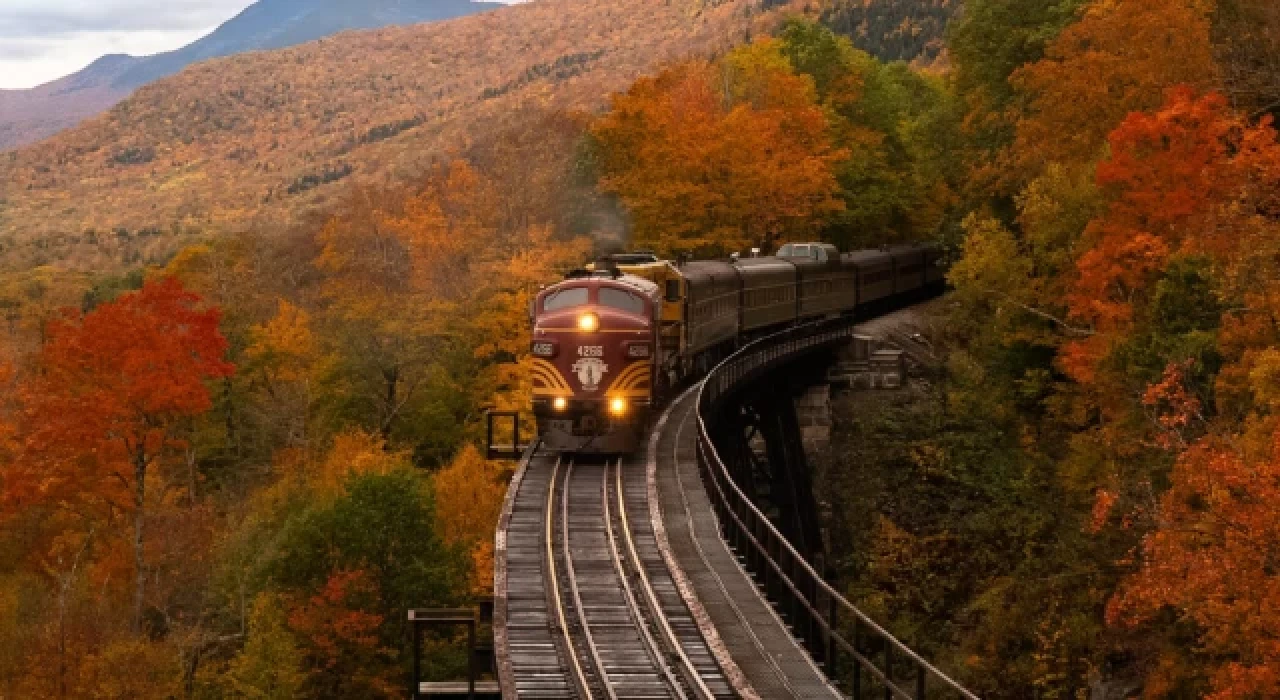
(613,340)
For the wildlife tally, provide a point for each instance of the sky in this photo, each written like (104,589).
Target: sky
(43,40)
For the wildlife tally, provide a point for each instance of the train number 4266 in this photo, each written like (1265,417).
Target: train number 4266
(590,351)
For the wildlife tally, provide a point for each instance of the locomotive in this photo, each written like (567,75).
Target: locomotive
(611,341)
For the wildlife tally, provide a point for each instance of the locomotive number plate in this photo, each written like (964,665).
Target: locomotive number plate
(590,351)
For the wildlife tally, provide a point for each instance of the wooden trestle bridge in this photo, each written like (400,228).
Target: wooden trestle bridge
(659,575)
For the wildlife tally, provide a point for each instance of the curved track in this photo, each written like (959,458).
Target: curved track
(618,628)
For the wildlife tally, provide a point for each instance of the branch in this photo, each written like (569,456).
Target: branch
(1259,113)
(1072,330)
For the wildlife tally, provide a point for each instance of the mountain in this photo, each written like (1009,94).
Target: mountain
(261,139)
(29,115)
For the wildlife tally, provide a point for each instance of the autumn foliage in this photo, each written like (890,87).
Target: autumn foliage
(342,637)
(228,463)
(1115,322)
(722,156)
(264,138)
(179,461)
(114,390)
(1211,559)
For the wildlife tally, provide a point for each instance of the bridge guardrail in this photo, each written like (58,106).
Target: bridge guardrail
(817,611)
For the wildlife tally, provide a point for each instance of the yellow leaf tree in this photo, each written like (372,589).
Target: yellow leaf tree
(469,494)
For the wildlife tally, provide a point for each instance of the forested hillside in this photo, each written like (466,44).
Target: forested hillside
(260,139)
(27,116)
(894,30)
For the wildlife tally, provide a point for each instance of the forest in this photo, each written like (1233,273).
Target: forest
(226,471)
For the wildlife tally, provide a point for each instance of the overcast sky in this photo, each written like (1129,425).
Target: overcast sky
(43,40)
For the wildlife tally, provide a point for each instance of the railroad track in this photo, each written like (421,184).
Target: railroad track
(622,630)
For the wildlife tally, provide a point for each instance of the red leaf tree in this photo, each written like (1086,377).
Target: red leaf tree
(114,389)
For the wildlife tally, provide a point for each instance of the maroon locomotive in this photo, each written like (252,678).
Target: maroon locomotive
(594,340)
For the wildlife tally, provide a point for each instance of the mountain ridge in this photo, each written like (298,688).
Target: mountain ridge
(259,139)
(27,116)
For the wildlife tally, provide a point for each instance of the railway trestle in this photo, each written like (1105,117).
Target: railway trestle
(694,570)
(758,436)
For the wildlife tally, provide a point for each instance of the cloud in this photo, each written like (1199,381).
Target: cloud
(43,40)
(32,19)
(23,50)
(33,61)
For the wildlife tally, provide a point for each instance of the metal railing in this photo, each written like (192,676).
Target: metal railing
(833,627)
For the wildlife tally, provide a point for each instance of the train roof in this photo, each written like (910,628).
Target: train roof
(647,287)
(764,262)
(624,279)
(707,267)
(867,257)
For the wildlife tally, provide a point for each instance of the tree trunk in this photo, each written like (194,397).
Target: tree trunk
(139,521)
(229,416)
(191,476)
(392,378)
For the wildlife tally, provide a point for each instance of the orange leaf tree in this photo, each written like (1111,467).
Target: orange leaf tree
(1119,58)
(1192,179)
(116,387)
(469,496)
(1213,560)
(342,637)
(1193,191)
(716,157)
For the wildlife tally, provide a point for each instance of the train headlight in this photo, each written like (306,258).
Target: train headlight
(588,323)
(618,406)
(560,403)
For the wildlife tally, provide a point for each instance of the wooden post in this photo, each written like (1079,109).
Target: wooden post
(417,659)
(471,660)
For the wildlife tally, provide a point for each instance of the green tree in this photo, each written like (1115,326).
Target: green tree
(270,666)
(384,525)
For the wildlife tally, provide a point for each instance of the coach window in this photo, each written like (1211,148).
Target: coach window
(565,299)
(618,299)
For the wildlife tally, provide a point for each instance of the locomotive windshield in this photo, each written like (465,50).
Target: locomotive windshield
(565,299)
(622,300)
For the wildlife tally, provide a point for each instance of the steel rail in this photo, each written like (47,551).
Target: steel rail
(562,620)
(593,651)
(759,355)
(651,596)
(633,604)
